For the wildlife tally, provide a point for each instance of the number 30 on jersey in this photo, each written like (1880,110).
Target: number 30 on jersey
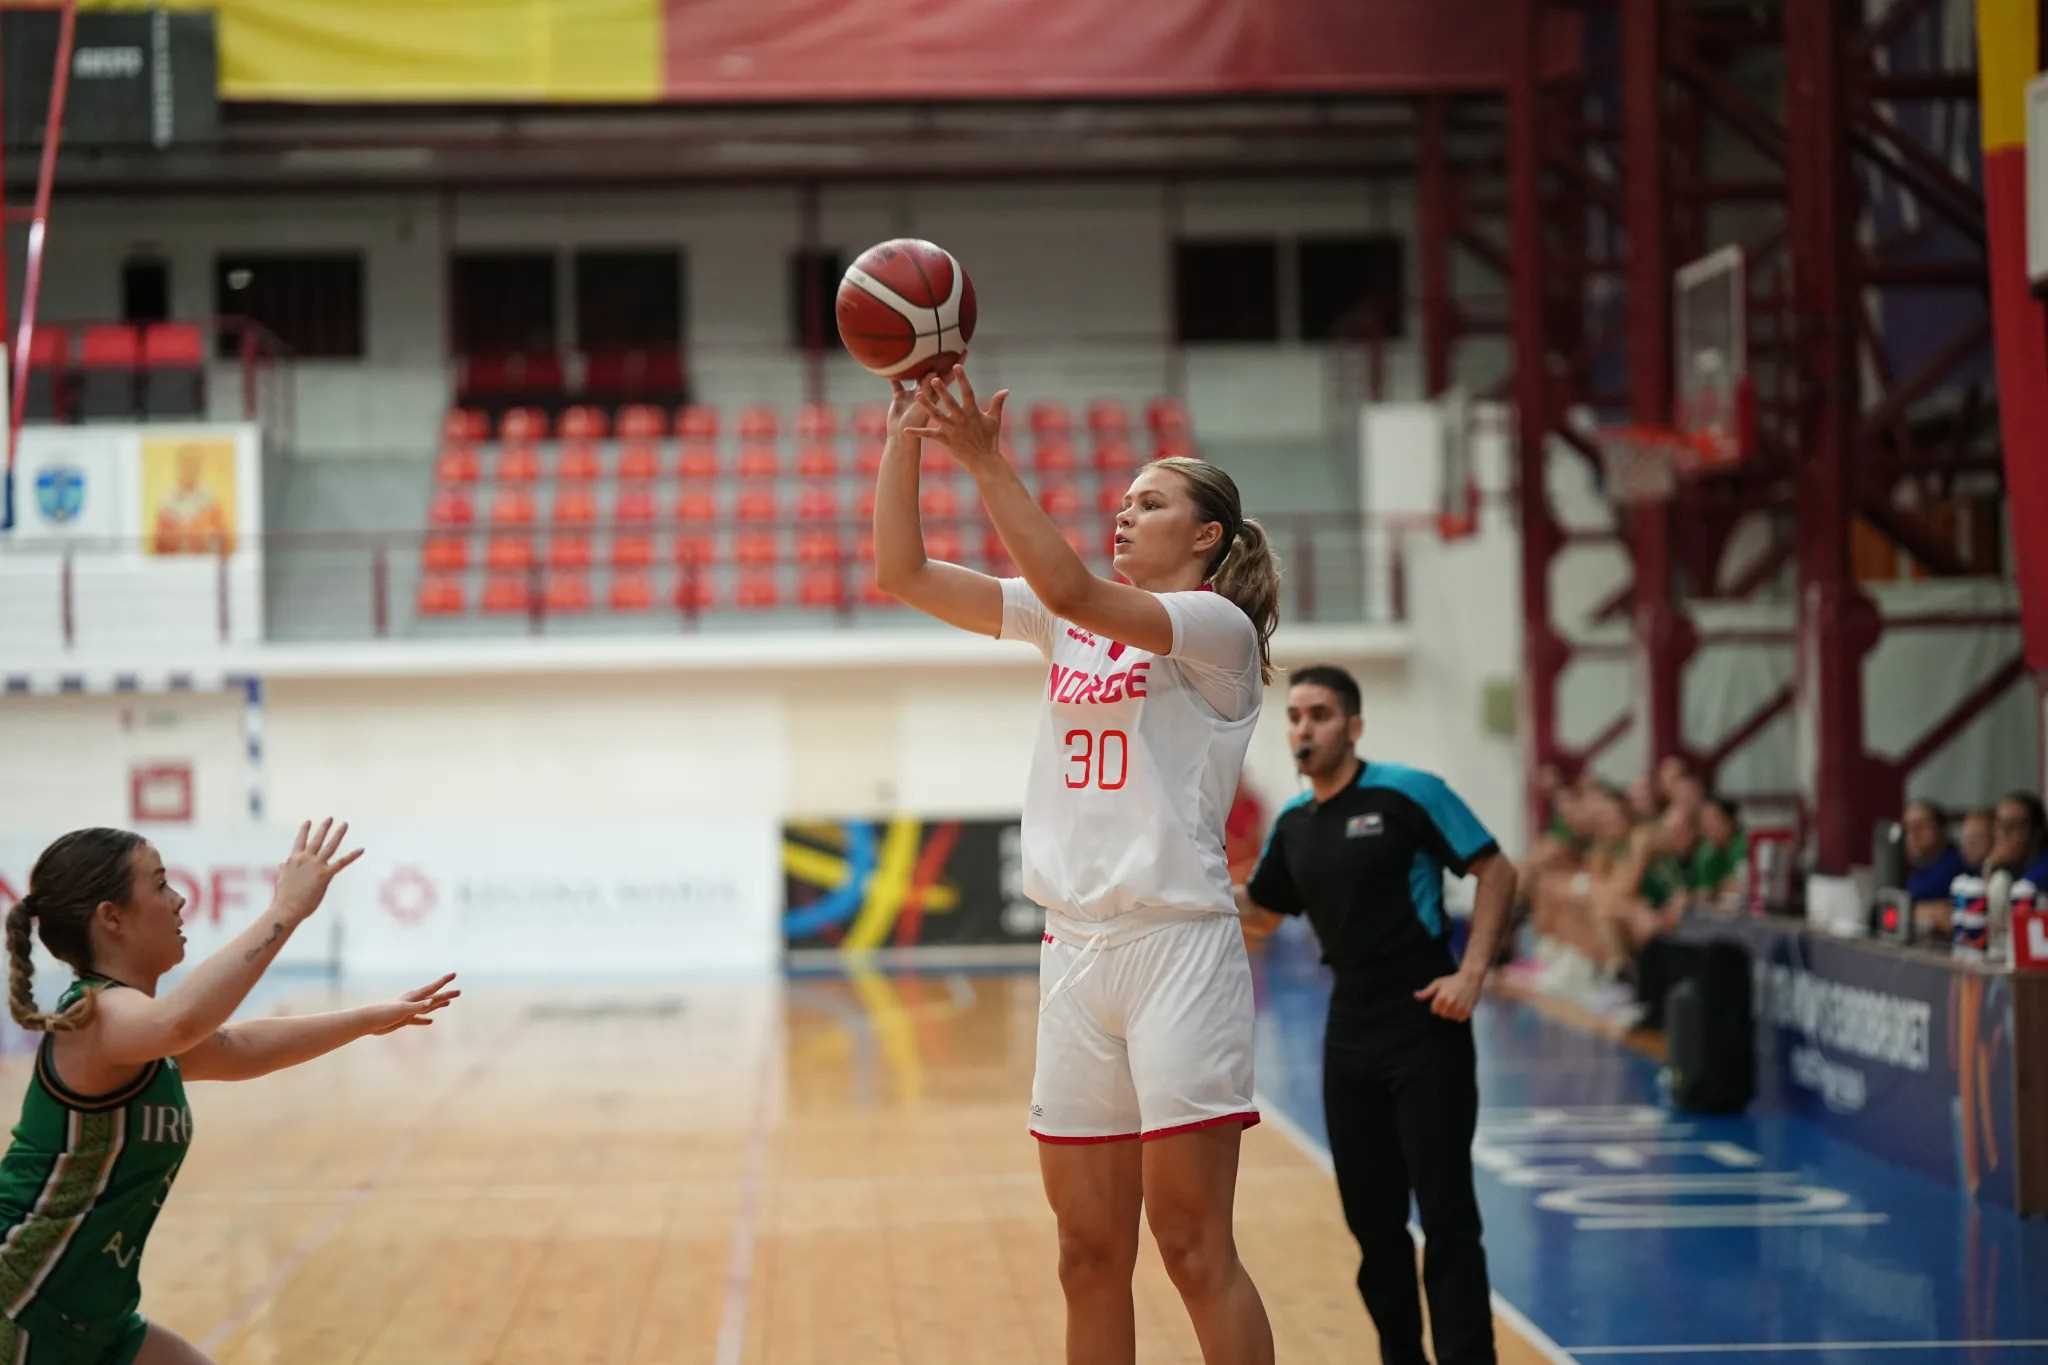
(1100,759)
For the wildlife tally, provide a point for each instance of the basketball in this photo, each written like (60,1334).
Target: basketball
(906,309)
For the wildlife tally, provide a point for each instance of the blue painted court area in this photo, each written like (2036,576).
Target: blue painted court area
(1626,1231)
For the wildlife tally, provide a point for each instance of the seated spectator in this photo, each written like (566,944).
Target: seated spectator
(1973,838)
(2019,836)
(1643,803)
(1932,859)
(1647,894)
(1721,857)
(1673,775)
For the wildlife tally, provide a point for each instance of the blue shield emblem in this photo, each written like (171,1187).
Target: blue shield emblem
(60,492)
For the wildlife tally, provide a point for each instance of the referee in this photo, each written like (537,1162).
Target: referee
(1363,853)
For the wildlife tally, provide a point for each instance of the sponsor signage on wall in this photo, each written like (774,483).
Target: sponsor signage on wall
(905,882)
(696,896)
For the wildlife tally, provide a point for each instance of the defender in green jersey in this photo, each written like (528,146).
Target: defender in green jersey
(105,1125)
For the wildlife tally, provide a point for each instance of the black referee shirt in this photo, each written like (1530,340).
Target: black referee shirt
(1367,866)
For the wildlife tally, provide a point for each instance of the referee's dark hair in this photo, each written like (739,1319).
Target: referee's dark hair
(1332,677)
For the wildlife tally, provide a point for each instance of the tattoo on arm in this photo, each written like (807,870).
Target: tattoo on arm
(276,933)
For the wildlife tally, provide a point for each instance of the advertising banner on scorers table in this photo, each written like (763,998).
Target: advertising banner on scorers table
(855,886)
(694,896)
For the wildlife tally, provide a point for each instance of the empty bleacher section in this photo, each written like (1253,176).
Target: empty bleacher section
(706,511)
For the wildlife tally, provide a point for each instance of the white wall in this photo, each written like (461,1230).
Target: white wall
(1074,281)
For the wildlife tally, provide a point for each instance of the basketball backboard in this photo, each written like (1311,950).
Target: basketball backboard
(1712,396)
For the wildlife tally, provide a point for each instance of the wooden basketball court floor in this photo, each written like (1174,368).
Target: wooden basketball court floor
(830,1168)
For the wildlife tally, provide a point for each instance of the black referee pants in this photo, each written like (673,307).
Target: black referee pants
(1401,1097)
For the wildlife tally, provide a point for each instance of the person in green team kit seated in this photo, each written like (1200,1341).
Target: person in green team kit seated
(104,1125)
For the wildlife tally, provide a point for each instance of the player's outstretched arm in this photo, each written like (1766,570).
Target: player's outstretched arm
(1056,574)
(257,1047)
(956,595)
(135,1028)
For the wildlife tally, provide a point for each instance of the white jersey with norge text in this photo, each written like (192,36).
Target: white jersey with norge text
(1136,766)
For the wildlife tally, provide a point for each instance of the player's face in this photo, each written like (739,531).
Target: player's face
(1319,734)
(1157,528)
(152,925)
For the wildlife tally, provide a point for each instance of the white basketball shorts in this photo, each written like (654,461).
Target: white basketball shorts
(1146,1039)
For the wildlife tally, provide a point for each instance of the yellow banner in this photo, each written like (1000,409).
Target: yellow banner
(434,51)
(2008,41)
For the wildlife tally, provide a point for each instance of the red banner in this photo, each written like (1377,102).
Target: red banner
(859,50)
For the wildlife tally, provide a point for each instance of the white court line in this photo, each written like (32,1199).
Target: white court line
(1320,1155)
(739,1270)
(1767,1347)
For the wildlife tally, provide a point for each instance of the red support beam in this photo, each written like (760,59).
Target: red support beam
(1661,634)
(1837,623)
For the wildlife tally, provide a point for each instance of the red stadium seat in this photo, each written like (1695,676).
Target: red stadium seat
(642,421)
(758,590)
(632,550)
(945,543)
(518,464)
(635,507)
(574,506)
(1171,447)
(1117,458)
(871,594)
(569,550)
(819,547)
(870,421)
(697,422)
(695,548)
(110,346)
(451,507)
(445,554)
(1050,421)
(696,592)
(817,422)
(758,462)
(512,507)
(584,423)
(817,462)
(661,370)
(640,458)
(49,348)
(465,424)
(458,464)
(176,345)
(697,508)
(508,595)
(1086,543)
(1168,417)
(864,505)
(936,462)
(566,593)
(868,459)
(631,592)
(994,553)
(817,504)
(760,422)
(509,553)
(698,461)
(1109,499)
(756,548)
(442,597)
(821,587)
(580,461)
(1107,420)
(1055,457)
(939,502)
(1060,500)
(523,426)
(757,505)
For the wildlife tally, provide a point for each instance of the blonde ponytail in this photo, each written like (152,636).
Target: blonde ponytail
(1248,573)
(1250,576)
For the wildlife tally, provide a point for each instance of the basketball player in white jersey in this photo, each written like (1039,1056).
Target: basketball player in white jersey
(1144,1074)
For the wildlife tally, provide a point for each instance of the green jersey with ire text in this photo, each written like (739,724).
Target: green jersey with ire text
(81,1184)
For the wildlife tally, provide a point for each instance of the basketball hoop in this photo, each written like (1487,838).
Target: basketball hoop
(1643,463)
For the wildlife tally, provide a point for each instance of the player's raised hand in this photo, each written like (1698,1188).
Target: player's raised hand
(413,1007)
(961,424)
(303,876)
(906,409)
